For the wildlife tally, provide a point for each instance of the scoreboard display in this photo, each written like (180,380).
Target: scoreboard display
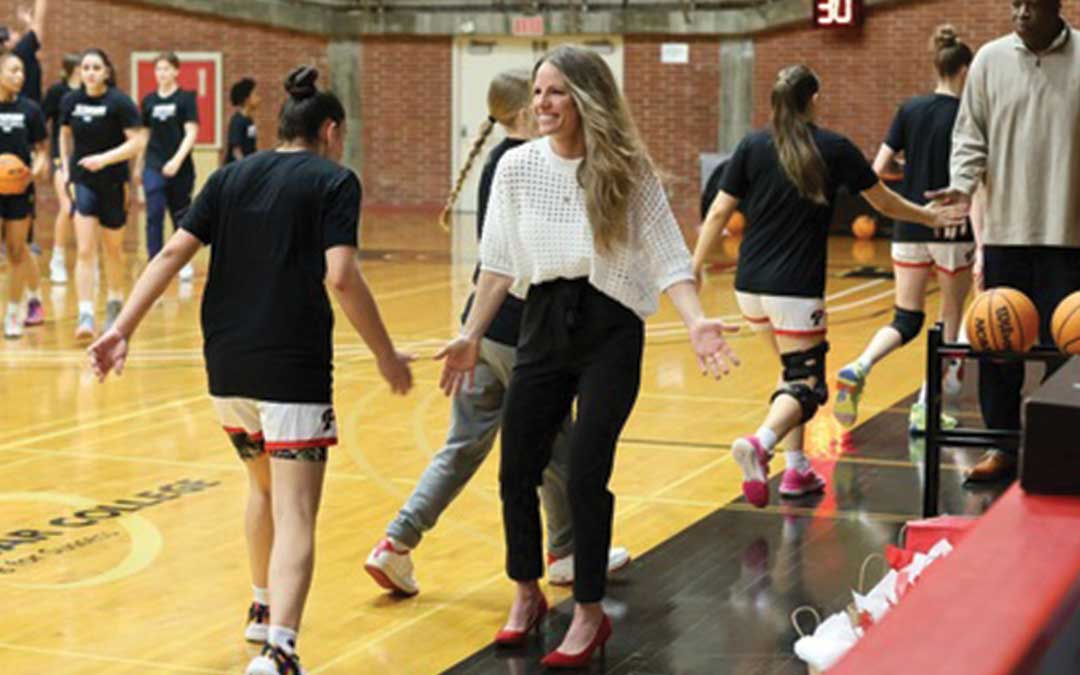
(837,13)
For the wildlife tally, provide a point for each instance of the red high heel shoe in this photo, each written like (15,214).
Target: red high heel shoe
(516,638)
(557,659)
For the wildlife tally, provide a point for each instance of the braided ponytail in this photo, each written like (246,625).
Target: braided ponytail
(485,130)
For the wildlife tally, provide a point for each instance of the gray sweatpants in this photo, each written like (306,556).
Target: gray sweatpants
(475,416)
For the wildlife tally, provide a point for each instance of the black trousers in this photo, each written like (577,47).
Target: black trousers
(575,342)
(1046,274)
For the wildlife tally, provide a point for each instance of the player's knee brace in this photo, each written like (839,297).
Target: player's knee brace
(908,324)
(804,379)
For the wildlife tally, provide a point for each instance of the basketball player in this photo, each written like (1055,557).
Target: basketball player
(70,81)
(242,134)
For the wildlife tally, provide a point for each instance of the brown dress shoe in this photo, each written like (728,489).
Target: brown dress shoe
(994,466)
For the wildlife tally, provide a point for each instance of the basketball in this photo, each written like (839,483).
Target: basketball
(14,175)
(1002,320)
(736,223)
(863,227)
(1065,324)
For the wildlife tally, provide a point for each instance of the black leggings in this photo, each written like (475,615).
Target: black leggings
(1046,275)
(575,341)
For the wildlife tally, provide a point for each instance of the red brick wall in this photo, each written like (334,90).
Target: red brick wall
(866,75)
(120,28)
(405,102)
(677,108)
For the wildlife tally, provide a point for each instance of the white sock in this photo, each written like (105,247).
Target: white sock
(33,295)
(767,438)
(262,595)
(797,460)
(58,252)
(86,307)
(865,363)
(13,309)
(283,637)
(922,394)
(398,546)
(116,296)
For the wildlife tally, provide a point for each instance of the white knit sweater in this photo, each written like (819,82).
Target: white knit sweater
(537,230)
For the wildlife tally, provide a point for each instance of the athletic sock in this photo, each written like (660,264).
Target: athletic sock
(12,309)
(280,636)
(116,296)
(796,459)
(864,364)
(86,307)
(262,595)
(922,394)
(398,546)
(767,438)
(32,295)
(58,252)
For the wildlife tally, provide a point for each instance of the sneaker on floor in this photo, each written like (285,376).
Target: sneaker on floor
(849,386)
(797,483)
(392,569)
(917,420)
(13,326)
(85,328)
(112,311)
(258,623)
(57,271)
(753,459)
(561,570)
(274,661)
(954,377)
(35,313)
(187,272)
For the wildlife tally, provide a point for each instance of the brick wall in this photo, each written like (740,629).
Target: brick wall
(866,75)
(677,108)
(406,107)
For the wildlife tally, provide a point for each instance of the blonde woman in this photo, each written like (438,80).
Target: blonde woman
(477,409)
(785,179)
(581,217)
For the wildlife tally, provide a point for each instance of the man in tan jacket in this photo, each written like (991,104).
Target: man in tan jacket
(1019,132)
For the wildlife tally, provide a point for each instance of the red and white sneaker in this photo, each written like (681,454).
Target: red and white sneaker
(561,570)
(797,483)
(392,569)
(275,660)
(258,625)
(753,459)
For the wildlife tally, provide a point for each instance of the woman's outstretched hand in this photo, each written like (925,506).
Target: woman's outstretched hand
(460,355)
(715,356)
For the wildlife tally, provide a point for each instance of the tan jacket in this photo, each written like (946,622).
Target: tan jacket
(1019,127)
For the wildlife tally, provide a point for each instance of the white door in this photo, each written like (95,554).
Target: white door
(476,62)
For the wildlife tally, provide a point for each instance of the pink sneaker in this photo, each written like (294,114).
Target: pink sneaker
(753,459)
(35,313)
(796,483)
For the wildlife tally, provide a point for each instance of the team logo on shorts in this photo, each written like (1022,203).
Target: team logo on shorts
(328,420)
(818,317)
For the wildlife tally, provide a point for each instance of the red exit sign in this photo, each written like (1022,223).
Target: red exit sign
(837,13)
(527,26)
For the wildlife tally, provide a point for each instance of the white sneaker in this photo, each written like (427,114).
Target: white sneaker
(561,570)
(187,272)
(13,326)
(58,270)
(392,569)
(258,626)
(274,661)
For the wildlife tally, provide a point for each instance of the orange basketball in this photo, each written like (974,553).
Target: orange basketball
(731,246)
(736,223)
(1065,324)
(14,175)
(1002,320)
(863,227)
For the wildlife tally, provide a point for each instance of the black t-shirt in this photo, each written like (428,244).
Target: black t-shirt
(922,130)
(98,124)
(266,318)
(784,247)
(242,135)
(26,49)
(166,116)
(506,325)
(51,108)
(22,126)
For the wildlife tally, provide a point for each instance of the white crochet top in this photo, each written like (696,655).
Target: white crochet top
(537,230)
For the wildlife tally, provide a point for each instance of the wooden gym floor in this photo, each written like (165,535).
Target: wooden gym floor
(159,583)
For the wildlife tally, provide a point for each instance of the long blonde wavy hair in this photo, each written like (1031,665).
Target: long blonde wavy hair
(615,155)
(508,94)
